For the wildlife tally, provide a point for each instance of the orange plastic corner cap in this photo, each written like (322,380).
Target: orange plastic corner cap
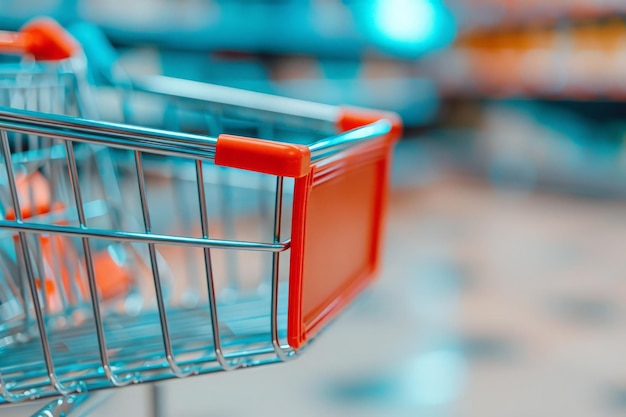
(46,40)
(355,117)
(264,156)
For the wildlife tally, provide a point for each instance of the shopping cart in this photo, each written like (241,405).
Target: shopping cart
(267,240)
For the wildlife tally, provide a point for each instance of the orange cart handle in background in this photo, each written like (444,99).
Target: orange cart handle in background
(41,38)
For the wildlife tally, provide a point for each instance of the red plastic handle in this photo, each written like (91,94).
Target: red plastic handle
(268,157)
(42,38)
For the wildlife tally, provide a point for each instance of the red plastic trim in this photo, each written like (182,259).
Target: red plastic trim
(268,157)
(320,248)
(42,38)
(354,117)
(337,227)
(47,40)
(336,236)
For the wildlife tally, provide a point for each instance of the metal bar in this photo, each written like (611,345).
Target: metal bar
(165,333)
(158,141)
(332,145)
(123,236)
(108,134)
(89,371)
(82,106)
(281,352)
(129,143)
(56,270)
(74,124)
(215,124)
(144,361)
(204,220)
(91,277)
(39,315)
(185,221)
(38,254)
(99,385)
(230,229)
(6,153)
(108,179)
(49,172)
(24,291)
(259,102)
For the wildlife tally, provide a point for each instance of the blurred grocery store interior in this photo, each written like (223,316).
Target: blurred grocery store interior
(503,285)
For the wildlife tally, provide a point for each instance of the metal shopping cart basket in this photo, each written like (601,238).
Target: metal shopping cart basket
(264,240)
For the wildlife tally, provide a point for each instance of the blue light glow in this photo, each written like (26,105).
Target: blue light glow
(412,21)
(411,27)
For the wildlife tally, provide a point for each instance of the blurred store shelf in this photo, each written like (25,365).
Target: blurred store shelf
(532,94)
(581,62)
(481,15)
